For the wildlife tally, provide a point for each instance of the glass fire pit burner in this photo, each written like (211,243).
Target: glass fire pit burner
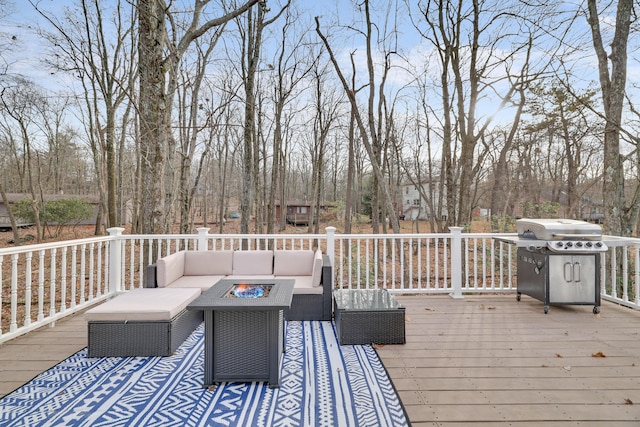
(243,290)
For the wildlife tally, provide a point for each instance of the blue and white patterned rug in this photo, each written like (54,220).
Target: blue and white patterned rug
(321,384)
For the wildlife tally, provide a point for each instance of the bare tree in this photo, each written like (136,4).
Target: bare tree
(467,37)
(252,31)
(19,103)
(292,64)
(327,104)
(157,74)
(82,46)
(563,121)
(189,130)
(369,129)
(612,71)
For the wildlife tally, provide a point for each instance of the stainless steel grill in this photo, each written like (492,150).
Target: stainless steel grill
(559,261)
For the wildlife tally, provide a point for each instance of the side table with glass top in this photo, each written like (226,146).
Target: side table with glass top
(368,316)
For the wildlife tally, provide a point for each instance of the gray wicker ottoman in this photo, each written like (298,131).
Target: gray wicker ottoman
(368,316)
(142,322)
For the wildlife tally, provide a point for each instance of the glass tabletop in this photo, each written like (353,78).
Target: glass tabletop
(365,299)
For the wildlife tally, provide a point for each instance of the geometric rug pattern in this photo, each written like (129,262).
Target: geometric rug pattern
(321,384)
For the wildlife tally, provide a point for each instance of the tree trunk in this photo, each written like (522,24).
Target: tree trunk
(152,102)
(613,88)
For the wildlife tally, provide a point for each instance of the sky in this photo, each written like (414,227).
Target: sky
(27,48)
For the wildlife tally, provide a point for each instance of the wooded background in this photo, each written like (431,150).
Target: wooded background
(186,111)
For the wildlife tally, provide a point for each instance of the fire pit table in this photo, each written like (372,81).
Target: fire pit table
(244,329)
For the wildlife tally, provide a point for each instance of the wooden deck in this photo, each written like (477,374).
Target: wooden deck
(489,360)
(483,360)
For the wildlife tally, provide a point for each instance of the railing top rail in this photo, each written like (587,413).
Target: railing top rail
(391,235)
(53,245)
(224,236)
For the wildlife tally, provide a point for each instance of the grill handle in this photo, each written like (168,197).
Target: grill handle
(572,272)
(577,236)
(568,272)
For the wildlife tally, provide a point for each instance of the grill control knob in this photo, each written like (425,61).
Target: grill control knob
(598,244)
(578,244)
(569,244)
(588,244)
(559,244)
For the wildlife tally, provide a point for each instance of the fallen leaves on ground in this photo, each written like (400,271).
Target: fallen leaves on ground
(598,354)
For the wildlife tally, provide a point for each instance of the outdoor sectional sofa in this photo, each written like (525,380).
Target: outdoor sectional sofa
(154,321)
(202,269)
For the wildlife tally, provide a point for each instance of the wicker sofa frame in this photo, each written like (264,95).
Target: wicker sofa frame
(141,338)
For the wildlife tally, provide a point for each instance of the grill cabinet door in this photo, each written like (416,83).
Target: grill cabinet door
(572,279)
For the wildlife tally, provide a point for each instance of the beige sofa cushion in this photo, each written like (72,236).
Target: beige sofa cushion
(293,262)
(170,268)
(147,304)
(317,269)
(208,263)
(251,263)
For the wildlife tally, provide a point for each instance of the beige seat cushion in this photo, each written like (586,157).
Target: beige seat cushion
(201,282)
(303,285)
(148,304)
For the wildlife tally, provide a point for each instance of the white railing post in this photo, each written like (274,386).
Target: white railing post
(456,262)
(202,238)
(331,244)
(115,260)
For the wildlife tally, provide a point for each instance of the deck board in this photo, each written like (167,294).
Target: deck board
(490,360)
(485,360)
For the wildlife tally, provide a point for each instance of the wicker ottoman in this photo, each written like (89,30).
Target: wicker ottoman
(368,316)
(142,322)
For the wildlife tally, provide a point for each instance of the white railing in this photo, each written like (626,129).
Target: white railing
(40,284)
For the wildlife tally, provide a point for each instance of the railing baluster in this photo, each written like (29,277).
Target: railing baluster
(91,271)
(14,293)
(83,273)
(52,284)
(484,264)
(63,281)
(74,274)
(614,274)
(41,285)
(28,289)
(625,274)
(99,272)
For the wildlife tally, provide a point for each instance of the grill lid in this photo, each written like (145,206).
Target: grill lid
(557,229)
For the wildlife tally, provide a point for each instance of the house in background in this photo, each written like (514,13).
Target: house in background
(297,212)
(415,207)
